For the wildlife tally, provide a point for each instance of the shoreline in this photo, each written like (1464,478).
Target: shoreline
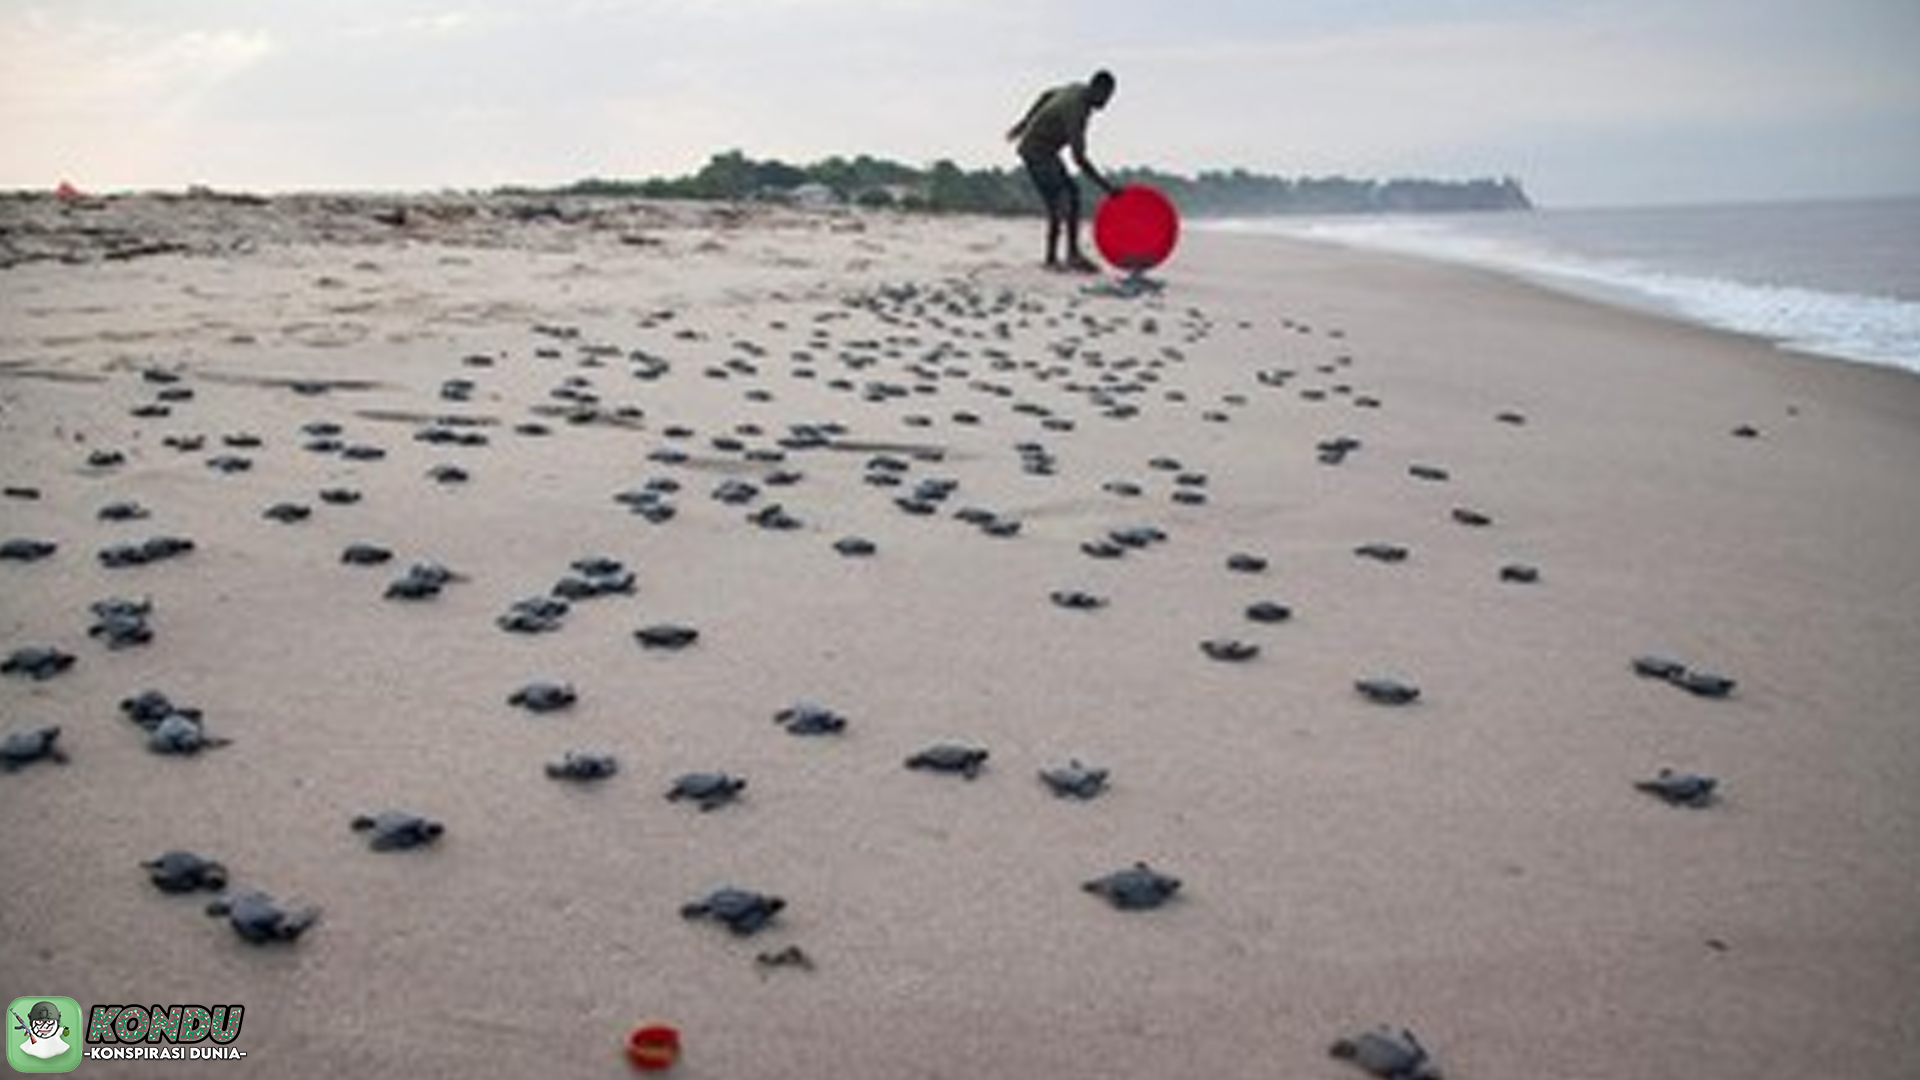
(1476,866)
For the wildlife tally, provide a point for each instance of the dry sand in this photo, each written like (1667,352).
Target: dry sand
(1476,866)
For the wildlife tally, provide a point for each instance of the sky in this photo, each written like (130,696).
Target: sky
(1586,102)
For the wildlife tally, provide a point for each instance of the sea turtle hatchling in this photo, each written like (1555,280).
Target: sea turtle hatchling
(1268,611)
(707,790)
(181,733)
(807,718)
(1387,1052)
(260,918)
(184,871)
(397,830)
(583,765)
(666,636)
(950,757)
(36,662)
(1229,650)
(1135,888)
(1385,691)
(23,746)
(742,911)
(540,697)
(1680,788)
(1074,780)
(1076,600)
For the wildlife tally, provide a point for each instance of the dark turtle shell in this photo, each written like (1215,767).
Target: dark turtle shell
(397,830)
(950,757)
(543,696)
(742,911)
(23,746)
(806,718)
(1389,1053)
(1074,780)
(707,790)
(1681,788)
(260,918)
(184,871)
(1135,888)
(583,765)
(1386,691)
(666,636)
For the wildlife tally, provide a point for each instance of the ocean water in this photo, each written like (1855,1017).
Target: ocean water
(1838,279)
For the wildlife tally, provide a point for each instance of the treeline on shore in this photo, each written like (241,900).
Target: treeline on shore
(946,187)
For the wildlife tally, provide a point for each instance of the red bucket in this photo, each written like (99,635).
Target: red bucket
(653,1046)
(1136,227)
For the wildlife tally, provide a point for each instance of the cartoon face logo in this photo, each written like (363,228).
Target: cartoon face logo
(40,1027)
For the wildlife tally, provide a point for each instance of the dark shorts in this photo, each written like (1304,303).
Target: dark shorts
(1051,180)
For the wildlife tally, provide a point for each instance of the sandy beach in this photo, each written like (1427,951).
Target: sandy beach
(713,397)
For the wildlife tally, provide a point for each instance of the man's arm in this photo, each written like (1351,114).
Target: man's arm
(1079,149)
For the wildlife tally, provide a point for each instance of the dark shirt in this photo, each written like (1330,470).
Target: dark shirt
(1058,120)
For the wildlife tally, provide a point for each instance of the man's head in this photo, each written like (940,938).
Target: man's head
(1100,89)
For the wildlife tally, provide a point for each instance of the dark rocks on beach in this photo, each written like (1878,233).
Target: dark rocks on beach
(1136,888)
(1680,788)
(184,871)
(707,790)
(36,662)
(583,765)
(1388,1053)
(397,830)
(742,911)
(1386,691)
(259,918)
(25,745)
(967,761)
(1074,780)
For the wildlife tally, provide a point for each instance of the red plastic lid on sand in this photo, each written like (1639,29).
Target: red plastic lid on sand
(1136,227)
(653,1046)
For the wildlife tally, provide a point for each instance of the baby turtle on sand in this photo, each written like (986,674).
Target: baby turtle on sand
(397,830)
(740,910)
(806,718)
(422,581)
(36,662)
(120,623)
(183,871)
(365,554)
(1385,691)
(666,636)
(1241,562)
(1074,780)
(1469,516)
(1136,888)
(543,697)
(23,746)
(534,615)
(287,513)
(181,733)
(1386,553)
(1389,1053)
(1520,574)
(1076,600)
(260,918)
(950,757)
(1230,650)
(26,549)
(583,765)
(1680,788)
(1267,611)
(1699,683)
(707,790)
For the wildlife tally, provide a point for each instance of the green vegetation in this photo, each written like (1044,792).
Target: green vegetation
(945,187)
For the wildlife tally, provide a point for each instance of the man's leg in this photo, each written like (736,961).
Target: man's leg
(1050,179)
(1075,260)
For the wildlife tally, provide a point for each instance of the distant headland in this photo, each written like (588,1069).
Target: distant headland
(946,187)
